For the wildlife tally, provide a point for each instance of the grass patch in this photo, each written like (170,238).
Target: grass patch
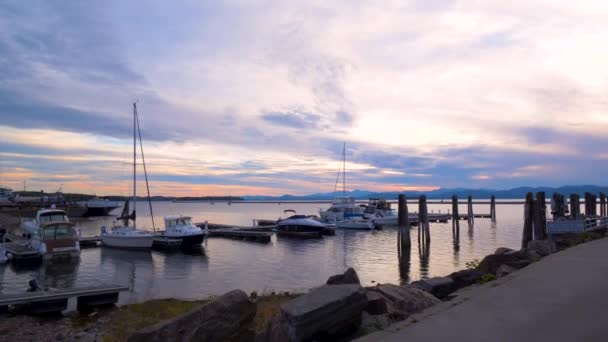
(269,306)
(128,319)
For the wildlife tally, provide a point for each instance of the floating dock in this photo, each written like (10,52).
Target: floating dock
(90,241)
(40,302)
(242,234)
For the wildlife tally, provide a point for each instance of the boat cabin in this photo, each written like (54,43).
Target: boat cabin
(177,221)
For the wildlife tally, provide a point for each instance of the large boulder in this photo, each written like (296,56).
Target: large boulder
(502,250)
(515,259)
(228,318)
(439,287)
(348,277)
(376,303)
(405,300)
(504,270)
(542,247)
(465,278)
(325,313)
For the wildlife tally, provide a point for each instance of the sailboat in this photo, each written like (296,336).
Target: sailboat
(344,212)
(129,236)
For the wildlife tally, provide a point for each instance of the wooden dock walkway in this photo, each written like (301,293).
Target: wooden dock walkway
(90,241)
(242,234)
(56,300)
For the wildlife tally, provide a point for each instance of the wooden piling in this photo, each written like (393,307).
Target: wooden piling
(602,204)
(470,215)
(540,217)
(593,204)
(493,208)
(423,219)
(404,224)
(455,217)
(575,206)
(528,220)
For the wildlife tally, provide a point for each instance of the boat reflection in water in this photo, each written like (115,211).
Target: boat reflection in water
(129,268)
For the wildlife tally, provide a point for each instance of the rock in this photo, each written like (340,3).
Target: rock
(348,277)
(405,300)
(326,312)
(542,247)
(503,270)
(59,337)
(228,318)
(440,287)
(465,278)
(371,323)
(376,303)
(515,259)
(502,250)
(253,295)
(275,331)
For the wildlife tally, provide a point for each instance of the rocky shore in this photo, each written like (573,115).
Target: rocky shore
(340,310)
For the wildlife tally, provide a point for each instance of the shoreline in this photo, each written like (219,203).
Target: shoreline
(270,307)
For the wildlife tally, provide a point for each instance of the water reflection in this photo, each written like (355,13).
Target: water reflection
(283,264)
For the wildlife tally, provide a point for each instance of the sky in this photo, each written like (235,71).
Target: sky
(258,97)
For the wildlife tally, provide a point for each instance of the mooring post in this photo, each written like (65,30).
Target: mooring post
(574,206)
(594,204)
(493,208)
(540,217)
(404,224)
(455,216)
(423,219)
(602,204)
(528,220)
(470,216)
(587,200)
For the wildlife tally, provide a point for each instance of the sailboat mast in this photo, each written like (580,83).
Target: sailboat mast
(344,170)
(134,161)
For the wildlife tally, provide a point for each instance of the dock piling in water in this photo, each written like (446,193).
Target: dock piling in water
(575,205)
(603,204)
(493,208)
(528,220)
(423,219)
(455,217)
(470,215)
(404,224)
(540,217)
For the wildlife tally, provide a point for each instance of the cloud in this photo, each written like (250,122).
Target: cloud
(425,93)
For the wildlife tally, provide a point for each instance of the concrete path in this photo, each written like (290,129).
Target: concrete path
(563,297)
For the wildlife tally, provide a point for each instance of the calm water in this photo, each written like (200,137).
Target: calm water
(283,264)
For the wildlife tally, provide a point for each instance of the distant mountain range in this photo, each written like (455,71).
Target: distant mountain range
(447,193)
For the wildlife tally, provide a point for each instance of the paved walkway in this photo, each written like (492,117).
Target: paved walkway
(563,297)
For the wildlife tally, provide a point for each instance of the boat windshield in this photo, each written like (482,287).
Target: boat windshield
(60,231)
(53,217)
(183,221)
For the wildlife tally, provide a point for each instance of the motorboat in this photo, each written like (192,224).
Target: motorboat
(356,223)
(129,236)
(342,208)
(6,197)
(181,228)
(301,226)
(52,234)
(381,213)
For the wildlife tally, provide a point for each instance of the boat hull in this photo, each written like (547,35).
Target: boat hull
(98,211)
(128,242)
(355,225)
(187,241)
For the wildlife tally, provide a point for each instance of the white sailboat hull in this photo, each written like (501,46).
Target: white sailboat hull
(127,241)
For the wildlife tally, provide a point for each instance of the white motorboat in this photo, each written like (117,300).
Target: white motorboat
(52,234)
(98,207)
(181,228)
(301,226)
(381,213)
(125,236)
(356,223)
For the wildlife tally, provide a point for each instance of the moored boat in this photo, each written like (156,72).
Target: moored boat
(181,228)
(356,224)
(125,236)
(52,234)
(301,226)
